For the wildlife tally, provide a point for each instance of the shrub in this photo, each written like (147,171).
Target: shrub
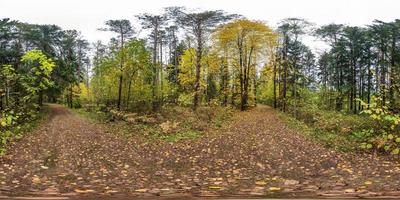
(386,135)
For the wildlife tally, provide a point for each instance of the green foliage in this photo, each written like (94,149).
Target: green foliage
(136,73)
(32,79)
(37,76)
(185,100)
(14,125)
(337,130)
(385,136)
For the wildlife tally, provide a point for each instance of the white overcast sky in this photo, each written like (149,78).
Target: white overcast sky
(89,15)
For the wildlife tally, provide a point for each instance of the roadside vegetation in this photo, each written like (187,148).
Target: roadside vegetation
(173,124)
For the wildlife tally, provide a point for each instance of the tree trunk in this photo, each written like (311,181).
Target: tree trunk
(155,69)
(369,83)
(285,66)
(392,75)
(121,70)
(40,98)
(70,97)
(274,83)
(383,80)
(198,68)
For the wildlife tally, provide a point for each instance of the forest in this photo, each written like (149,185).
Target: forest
(177,75)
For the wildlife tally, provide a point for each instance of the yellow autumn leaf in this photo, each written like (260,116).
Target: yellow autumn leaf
(83,191)
(350,190)
(35,179)
(274,188)
(261,183)
(368,182)
(141,190)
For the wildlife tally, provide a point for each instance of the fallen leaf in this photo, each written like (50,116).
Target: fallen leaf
(35,179)
(83,191)
(44,167)
(141,190)
(274,188)
(261,183)
(368,182)
(350,190)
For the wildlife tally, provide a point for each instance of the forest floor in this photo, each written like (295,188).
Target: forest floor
(257,155)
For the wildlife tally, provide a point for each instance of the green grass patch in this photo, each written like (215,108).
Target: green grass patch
(93,116)
(333,129)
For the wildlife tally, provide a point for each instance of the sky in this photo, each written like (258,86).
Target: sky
(87,16)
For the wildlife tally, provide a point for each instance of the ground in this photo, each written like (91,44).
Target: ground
(258,155)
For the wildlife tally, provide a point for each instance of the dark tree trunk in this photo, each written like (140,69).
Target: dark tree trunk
(198,67)
(369,84)
(274,83)
(70,97)
(40,98)
(121,69)
(285,75)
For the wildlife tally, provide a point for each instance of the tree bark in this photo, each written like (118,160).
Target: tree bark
(121,70)
(198,67)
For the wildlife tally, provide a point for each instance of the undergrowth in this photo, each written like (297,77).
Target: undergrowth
(18,130)
(170,124)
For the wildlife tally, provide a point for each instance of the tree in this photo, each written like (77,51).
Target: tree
(290,29)
(331,34)
(36,78)
(155,23)
(138,63)
(199,24)
(248,38)
(124,28)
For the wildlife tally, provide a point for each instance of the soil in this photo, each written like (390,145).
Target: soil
(257,155)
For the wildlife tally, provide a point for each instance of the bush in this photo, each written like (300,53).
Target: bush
(385,136)
(335,129)
(185,100)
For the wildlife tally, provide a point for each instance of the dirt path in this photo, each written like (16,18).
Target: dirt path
(258,155)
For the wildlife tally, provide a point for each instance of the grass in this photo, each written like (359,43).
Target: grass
(92,116)
(332,129)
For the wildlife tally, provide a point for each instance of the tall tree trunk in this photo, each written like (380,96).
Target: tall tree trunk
(71,96)
(369,83)
(392,74)
(161,75)
(121,70)
(198,68)
(155,69)
(354,100)
(129,94)
(383,80)
(285,75)
(225,80)
(242,73)
(255,87)
(274,81)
